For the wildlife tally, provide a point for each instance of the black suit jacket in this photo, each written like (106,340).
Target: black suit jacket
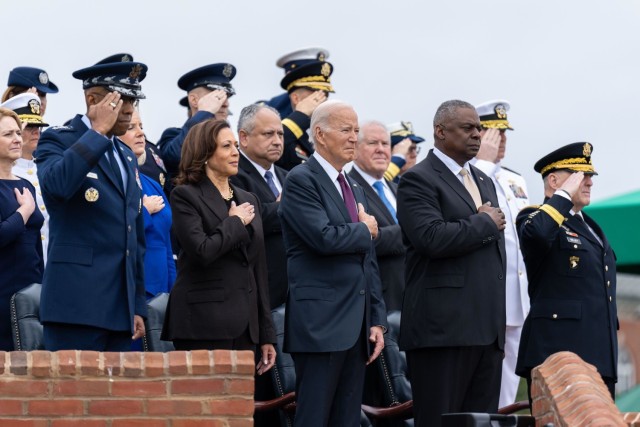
(249,179)
(455,270)
(390,250)
(221,288)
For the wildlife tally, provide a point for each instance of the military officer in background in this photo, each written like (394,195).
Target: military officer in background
(571,270)
(208,91)
(512,197)
(22,79)
(308,84)
(93,295)
(27,106)
(404,150)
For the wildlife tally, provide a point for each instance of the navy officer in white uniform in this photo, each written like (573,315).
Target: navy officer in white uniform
(93,295)
(512,197)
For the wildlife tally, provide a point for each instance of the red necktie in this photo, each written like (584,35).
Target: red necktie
(349,200)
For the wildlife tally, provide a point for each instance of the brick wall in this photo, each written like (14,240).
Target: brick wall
(92,389)
(567,391)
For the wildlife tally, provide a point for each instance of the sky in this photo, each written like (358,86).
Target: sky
(570,68)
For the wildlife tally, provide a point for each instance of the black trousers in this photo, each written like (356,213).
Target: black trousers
(454,379)
(329,387)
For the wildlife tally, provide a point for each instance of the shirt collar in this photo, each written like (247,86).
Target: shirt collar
(451,164)
(328,168)
(259,168)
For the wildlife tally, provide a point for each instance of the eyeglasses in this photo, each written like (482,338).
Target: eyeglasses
(414,149)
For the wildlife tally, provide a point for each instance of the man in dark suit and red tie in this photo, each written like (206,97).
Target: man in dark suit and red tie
(373,154)
(335,314)
(453,314)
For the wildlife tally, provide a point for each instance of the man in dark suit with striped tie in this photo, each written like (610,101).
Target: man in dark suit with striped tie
(373,154)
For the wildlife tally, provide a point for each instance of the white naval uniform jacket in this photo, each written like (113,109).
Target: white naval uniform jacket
(512,197)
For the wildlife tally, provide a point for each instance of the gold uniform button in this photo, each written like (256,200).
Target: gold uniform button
(509,199)
(35,184)
(575,246)
(555,316)
(43,208)
(42,237)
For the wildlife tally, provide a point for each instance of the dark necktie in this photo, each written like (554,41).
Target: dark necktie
(349,200)
(114,166)
(593,233)
(272,185)
(379,186)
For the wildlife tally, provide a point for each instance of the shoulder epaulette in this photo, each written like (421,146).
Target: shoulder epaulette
(511,170)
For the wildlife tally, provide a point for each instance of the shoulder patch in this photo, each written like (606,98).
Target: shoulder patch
(510,170)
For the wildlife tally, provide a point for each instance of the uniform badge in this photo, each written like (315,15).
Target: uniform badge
(501,112)
(43,78)
(138,179)
(135,71)
(158,160)
(91,195)
(162,179)
(126,58)
(326,69)
(320,57)
(227,70)
(518,191)
(34,105)
(586,149)
(573,262)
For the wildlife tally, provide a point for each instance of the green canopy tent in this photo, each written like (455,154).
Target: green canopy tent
(619,218)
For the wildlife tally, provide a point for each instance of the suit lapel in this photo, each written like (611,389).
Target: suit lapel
(581,227)
(329,187)
(372,196)
(453,181)
(251,170)
(212,199)
(131,163)
(484,186)
(242,199)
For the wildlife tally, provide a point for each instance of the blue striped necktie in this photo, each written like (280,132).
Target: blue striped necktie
(379,186)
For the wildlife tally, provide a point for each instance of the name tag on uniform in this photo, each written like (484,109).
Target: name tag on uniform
(574,240)
(92,175)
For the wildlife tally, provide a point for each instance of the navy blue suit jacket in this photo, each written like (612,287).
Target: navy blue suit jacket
(95,273)
(334,284)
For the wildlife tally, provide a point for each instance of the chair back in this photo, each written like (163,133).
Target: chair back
(25,319)
(156,309)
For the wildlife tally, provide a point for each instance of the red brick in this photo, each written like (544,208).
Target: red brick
(197,422)
(41,364)
(10,407)
(240,386)
(197,386)
(232,407)
(16,388)
(201,362)
(66,362)
(132,363)
(154,365)
(245,362)
(112,364)
(139,388)
(240,422)
(115,407)
(178,363)
(145,422)
(18,362)
(81,387)
(90,363)
(79,423)
(174,407)
(55,407)
(222,362)
(12,422)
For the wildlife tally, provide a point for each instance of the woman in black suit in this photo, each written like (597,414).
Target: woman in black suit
(220,299)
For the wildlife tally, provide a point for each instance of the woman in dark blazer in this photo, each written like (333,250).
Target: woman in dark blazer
(221,298)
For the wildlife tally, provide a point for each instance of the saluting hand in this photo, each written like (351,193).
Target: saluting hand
(402,147)
(368,220)
(311,102)
(572,184)
(103,115)
(212,101)
(489,146)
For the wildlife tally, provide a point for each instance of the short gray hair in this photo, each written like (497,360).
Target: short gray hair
(321,115)
(447,109)
(247,120)
(372,123)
